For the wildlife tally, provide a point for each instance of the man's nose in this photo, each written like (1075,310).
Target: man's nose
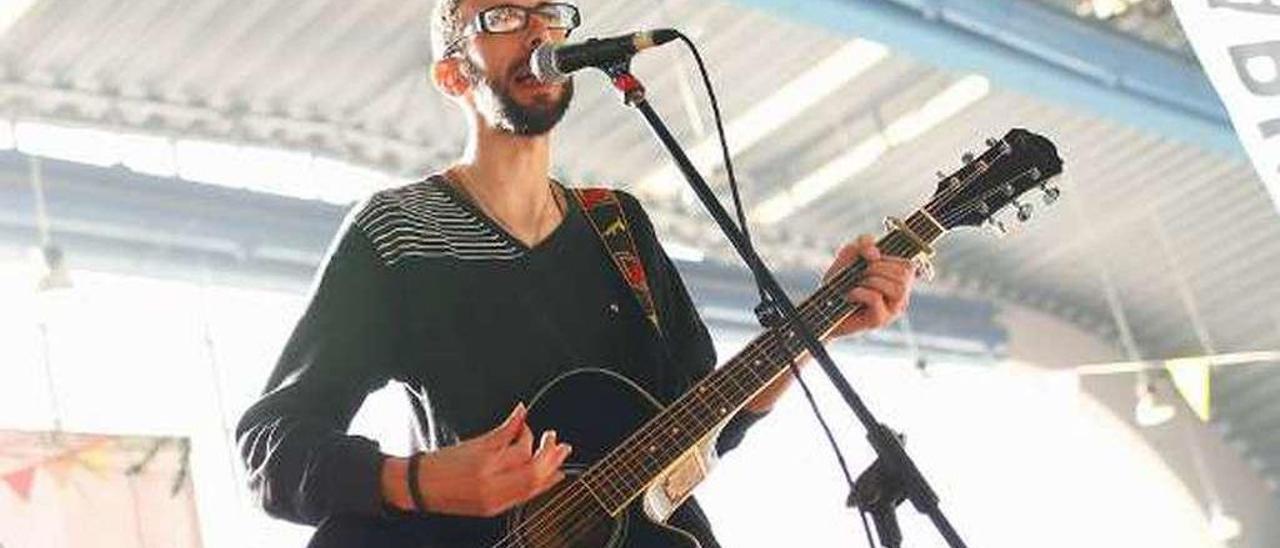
(539,31)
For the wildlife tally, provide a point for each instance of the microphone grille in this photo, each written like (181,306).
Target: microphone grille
(543,64)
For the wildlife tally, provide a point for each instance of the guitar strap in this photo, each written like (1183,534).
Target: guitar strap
(604,211)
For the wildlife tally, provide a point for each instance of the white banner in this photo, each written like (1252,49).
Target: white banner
(1238,43)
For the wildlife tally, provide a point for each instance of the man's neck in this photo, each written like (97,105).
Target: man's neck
(511,171)
(508,175)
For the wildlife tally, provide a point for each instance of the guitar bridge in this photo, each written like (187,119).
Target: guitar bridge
(674,486)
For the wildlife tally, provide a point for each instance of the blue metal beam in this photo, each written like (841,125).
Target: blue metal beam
(1035,49)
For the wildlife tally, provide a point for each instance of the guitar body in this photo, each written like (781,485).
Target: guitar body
(595,411)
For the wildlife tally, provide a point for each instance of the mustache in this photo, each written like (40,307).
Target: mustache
(521,67)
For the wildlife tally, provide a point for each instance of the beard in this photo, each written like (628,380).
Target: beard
(497,104)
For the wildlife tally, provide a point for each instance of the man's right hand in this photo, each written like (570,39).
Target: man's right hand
(483,476)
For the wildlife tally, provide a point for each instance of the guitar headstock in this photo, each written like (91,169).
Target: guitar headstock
(998,179)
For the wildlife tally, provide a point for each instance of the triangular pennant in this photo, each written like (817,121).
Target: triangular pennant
(1191,376)
(60,468)
(97,459)
(20,481)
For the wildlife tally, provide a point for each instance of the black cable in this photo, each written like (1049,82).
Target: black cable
(867,528)
(742,221)
(724,152)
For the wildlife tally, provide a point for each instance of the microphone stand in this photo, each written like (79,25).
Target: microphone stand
(893,477)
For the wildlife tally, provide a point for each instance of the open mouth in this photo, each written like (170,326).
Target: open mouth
(523,76)
(526,78)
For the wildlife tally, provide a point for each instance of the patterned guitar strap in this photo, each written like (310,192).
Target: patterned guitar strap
(604,211)
(607,217)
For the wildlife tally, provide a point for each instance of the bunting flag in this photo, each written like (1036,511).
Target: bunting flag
(90,483)
(96,456)
(1191,377)
(97,459)
(21,481)
(60,468)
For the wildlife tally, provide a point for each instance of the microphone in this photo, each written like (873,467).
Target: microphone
(554,63)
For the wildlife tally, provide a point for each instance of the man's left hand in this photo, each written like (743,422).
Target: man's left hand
(884,290)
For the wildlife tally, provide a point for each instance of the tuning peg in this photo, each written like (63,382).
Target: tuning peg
(1024,211)
(967,157)
(1051,195)
(940,174)
(991,142)
(997,228)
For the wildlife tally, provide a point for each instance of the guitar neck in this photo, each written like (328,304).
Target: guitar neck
(632,466)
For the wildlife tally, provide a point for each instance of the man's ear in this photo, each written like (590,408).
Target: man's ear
(448,78)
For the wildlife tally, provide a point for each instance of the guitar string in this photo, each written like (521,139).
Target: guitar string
(766,348)
(977,203)
(538,531)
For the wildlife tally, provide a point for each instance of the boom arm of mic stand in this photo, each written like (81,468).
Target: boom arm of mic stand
(883,440)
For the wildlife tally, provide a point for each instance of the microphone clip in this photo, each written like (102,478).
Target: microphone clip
(632,90)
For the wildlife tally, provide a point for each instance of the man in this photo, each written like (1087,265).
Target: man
(474,288)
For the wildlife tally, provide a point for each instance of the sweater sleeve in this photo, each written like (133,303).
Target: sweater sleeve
(690,343)
(302,465)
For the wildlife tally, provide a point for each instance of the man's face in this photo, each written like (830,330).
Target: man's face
(503,88)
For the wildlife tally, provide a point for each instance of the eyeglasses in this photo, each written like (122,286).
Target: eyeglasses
(508,19)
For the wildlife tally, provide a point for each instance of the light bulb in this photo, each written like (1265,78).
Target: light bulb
(1148,412)
(1222,526)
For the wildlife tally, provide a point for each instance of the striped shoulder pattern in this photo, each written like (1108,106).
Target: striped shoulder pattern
(423,220)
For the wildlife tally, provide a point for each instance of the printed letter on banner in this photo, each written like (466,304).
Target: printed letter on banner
(1238,43)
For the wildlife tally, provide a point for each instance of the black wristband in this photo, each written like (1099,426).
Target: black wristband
(414,491)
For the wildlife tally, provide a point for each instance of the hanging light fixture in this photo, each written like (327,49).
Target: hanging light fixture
(1110,9)
(49,256)
(56,276)
(1148,411)
(1222,526)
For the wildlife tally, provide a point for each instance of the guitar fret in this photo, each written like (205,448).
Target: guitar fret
(732,387)
(756,363)
(613,490)
(593,491)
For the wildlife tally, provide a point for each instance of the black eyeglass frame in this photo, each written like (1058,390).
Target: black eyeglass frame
(478,25)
